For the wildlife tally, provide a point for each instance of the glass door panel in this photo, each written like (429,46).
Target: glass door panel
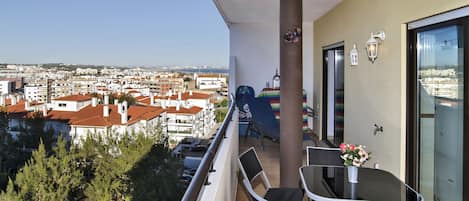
(334,67)
(440,77)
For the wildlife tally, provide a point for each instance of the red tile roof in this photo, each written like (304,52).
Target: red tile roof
(183,110)
(186,95)
(93,116)
(76,97)
(133,91)
(18,110)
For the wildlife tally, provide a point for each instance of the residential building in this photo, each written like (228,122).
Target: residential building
(184,122)
(83,85)
(209,81)
(60,88)
(187,100)
(39,90)
(72,103)
(77,116)
(164,83)
(86,71)
(7,86)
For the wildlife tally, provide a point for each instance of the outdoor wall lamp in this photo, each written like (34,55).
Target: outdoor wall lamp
(372,45)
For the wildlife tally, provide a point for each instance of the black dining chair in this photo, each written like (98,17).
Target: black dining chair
(323,156)
(251,168)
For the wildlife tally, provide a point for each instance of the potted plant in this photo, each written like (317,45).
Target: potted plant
(354,156)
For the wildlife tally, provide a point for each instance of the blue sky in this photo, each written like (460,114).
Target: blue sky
(113,32)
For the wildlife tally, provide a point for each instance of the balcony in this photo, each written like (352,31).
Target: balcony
(370,99)
(217,175)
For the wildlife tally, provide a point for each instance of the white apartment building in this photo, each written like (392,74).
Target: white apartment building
(38,91)
(184,122)
(209,81)
(60,88)
(186,100)
(83,85)
(72,103)
(6,86)
(82,116)
(86,71)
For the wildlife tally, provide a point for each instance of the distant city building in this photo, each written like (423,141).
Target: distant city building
(64,98)
(86,71)
(210,81)
(164,83)
(61,88)
(39,91)
(7,86)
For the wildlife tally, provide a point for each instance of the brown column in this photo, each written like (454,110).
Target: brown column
(291,95)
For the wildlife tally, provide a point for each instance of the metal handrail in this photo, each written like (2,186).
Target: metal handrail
(206,165)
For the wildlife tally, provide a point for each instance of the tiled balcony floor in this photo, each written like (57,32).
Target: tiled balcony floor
(270,160)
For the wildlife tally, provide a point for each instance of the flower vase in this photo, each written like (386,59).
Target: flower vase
(352,174)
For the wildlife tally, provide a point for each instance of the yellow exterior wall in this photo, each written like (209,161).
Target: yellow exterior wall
(374,93)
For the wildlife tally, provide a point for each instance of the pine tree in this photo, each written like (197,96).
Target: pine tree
(10,194)
(155,176)
(52,178)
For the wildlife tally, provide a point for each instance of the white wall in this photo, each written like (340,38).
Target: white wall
(72,106)
(255,55)
(257,49)
(6,87)
(308,65)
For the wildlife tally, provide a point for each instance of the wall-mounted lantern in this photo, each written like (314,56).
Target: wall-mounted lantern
(372,45)
(354,55)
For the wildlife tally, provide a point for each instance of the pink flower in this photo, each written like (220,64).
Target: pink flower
(352,147)
(342,147)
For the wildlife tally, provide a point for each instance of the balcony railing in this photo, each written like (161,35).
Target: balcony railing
(217,167)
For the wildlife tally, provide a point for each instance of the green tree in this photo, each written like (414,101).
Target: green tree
(111,159)
(220,114)
(10,194)
(224,103)
(102,168)
(155,176)
(129,98)
(7,150)
(53,178)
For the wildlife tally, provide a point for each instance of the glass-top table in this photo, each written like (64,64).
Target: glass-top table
(331,183)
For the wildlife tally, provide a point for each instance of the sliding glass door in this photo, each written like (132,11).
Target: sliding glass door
(438,71)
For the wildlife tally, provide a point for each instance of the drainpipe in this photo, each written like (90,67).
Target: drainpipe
(291,95)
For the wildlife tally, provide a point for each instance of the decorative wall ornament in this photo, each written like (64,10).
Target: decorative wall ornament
(292,36)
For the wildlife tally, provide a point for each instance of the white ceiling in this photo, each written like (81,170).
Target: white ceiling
(265,11)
